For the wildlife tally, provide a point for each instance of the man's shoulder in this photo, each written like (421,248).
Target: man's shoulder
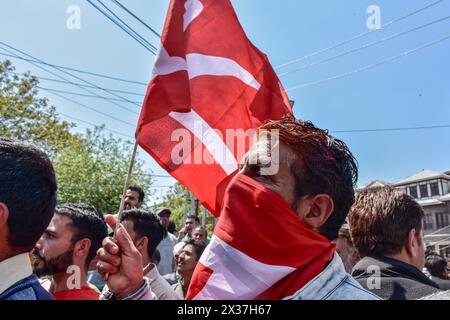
(333,283)
(442,283)
(170,239)
(350,289)
(26,289)
(397,288)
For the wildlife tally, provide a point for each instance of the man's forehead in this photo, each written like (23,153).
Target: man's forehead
(131,192)
(59,222)
(264,149)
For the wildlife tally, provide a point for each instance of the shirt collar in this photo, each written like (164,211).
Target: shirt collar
(14,269)
(325,282)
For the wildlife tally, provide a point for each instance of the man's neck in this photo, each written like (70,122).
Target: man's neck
(145,260)
(6,252)
(185,281)
(64,281)
(403,257)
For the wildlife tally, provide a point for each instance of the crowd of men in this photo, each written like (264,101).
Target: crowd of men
(66,252)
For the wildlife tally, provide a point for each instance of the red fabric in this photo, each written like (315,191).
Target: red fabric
(224,102)
(85,293)
(261,224)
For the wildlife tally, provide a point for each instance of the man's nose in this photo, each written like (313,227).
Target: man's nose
(38,245)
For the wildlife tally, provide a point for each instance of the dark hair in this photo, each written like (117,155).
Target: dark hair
(199,246)
(201,228)
(381,218)
(28,188)
(156,256)
(87,223)
(435,264)
(146,224)
(325,166)
(138,190)
(172,228)
(196,219)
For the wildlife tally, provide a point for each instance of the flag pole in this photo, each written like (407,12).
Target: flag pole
(125,188)
(127,182)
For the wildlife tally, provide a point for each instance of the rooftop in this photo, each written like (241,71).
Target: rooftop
(376,184)
(422,175)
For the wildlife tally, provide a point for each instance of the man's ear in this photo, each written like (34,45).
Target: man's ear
(4,215)
(320,208)
(411,243)
(142,244)
(82,247)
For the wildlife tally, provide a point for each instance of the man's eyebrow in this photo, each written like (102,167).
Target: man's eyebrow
(50,232)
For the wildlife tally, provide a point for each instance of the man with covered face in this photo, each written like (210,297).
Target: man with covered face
(66,249)
(303,188)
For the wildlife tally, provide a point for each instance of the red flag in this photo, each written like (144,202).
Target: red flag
(209,81)
(260,249)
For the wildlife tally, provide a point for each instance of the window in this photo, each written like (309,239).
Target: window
(434,189)
(413,192)
(428,221)
(442,220)
(424,191)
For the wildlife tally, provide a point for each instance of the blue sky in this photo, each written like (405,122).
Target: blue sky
(413,91)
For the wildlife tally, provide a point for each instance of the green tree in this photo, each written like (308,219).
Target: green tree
(175,199)
(90,167)
(94,171)
(26,117)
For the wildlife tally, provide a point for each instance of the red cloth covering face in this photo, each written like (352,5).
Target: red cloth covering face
(85,293)
(261,249)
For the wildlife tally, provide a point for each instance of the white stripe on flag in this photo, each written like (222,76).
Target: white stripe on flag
(209,137)
(236,276)
(193,10)
(200,65)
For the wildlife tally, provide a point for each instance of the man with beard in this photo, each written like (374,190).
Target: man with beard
(27,202)
(67,247)
(134,198)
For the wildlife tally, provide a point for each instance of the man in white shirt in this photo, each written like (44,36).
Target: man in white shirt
(167,265)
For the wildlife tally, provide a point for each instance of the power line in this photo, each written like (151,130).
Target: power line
(94,125)
(160,176)
(154,49)
(393,129)
(80,94)
(371,44)
(137,18)
(138,38)
(76,70)
(80,84)
(70,74)
(90,108)
(358,36)
(370,66)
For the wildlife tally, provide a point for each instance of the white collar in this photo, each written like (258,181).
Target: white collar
(14,269)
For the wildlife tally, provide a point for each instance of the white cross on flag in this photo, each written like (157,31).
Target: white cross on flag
(208,78)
